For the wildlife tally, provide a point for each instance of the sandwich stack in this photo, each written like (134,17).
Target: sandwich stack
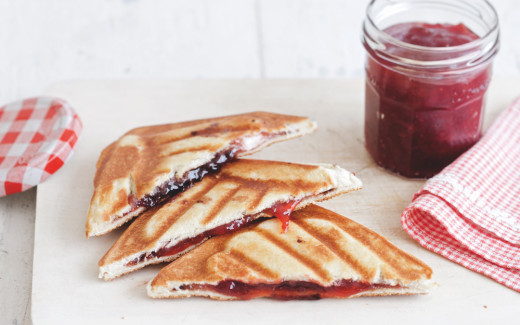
(211,215)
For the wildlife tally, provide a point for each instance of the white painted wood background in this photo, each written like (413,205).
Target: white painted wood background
(45,41)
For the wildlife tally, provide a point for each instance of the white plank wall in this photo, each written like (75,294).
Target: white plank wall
(42,42)
(46,41)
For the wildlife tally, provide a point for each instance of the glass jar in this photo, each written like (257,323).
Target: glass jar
(428,67)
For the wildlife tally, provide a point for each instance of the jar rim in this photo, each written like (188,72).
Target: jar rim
(482,49)
(460,47)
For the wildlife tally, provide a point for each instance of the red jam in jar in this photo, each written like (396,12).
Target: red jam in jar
(424,93)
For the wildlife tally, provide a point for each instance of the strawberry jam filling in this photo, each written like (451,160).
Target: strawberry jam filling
(283,212)
(174,186)
(280,210)
(187,243)
(288,290)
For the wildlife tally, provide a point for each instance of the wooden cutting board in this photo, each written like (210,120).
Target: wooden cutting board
(65,285)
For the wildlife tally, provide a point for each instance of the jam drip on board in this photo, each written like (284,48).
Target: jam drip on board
(283,211)
(288,290)
(417,125)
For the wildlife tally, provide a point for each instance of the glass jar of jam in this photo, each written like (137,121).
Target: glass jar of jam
(428,68)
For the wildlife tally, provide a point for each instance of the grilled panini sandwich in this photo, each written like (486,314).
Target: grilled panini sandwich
(243,191)
(149,164)
(323,255)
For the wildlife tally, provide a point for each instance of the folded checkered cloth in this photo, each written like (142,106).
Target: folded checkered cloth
(37,136)
(470,212)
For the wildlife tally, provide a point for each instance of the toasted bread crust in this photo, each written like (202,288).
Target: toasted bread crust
(243,188)
(144,159)
(320,247)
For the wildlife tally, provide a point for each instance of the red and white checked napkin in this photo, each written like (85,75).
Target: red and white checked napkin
(37,136)
(470,212)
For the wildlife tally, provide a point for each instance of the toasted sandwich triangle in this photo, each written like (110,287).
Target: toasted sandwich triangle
(243,191)
(323,255)
(149,164)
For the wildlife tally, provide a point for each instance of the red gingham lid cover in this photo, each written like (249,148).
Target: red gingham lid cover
(37,136)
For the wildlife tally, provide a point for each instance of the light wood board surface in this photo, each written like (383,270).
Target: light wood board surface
(65,285)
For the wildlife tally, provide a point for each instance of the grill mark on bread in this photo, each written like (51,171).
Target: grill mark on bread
(129,243)
(117,168)
(208,147)
(223,128)
(256,184)
(261,185)
(149,232)
(208,183)
(308,261)
(219,205)
(230,129)
(155,135)
(252,118)
(261,188)
(258,198)
(196,268)
(378,245)
(213,129)
(252,264)
(266,163)
(327,239)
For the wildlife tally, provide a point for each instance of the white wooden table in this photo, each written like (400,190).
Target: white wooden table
(65,262)
(194,39)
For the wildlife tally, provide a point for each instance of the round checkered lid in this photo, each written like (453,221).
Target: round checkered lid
(37,136)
